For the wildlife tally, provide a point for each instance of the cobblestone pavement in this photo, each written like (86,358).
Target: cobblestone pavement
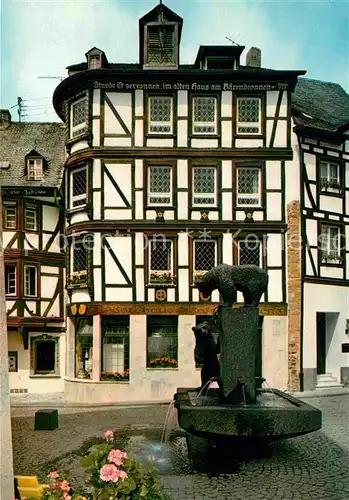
(314,467)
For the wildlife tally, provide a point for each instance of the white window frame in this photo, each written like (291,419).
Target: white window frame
(252,241)
(328,255)
(11,294)
(10,225)
(160,241)
(160,195)
(79,196)
(157,123)
(212,196)
(34,169)
(256,196)
(249,124)
(198,273)
(205,124)
(26,280)
(80,128)
(27,225)
(325,185)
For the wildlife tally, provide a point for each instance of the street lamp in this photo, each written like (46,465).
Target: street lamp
(6,456)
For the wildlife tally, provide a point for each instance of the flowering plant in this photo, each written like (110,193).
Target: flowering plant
(163,363)
(162,277)
(59,488)
(77,277)
(117,376)
(113,476)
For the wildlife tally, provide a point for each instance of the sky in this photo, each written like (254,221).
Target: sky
(40,38)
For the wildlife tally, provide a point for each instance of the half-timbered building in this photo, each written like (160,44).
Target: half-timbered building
(32,159)
(318,272)
(171,169)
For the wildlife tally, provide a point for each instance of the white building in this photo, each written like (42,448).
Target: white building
(171,169)
(32,158)
(320,269)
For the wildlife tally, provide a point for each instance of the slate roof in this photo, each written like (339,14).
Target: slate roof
(19,139)
(320,105)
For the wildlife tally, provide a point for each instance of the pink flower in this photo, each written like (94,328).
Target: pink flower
(65,486)
(122,474)
(109,472)
(66,496)
(109,435)
(117,456)
(53,475)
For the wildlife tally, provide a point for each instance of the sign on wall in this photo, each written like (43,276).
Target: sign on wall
(193,86)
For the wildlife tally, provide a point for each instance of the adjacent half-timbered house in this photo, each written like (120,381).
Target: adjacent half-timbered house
(32,159)
(318,272)
(171,170)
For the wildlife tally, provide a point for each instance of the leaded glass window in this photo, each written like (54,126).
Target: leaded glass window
(204,186)
(160,115)
(248,186)
(204,257)
(78,191)
(204,115)
(78,117)
(79,257)
(329,175)
(249,115)
(250,252)
(160,255)
(160,189)
(330,243)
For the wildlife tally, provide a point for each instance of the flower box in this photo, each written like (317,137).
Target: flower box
(163,362)
(77,278)
(115,376)
(198,275)
(331,258)
(162,278)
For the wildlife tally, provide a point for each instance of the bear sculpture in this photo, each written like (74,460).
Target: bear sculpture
(251,280)
(205,353)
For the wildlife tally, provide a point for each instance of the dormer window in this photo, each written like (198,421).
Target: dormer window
(34,169)
(94,61)
(160,45)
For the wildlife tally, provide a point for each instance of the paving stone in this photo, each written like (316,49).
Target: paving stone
(311,467)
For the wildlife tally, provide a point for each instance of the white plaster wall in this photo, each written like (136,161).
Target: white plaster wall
(139,133)
(227,250)
(96,173)
(280,140)
(78,217)
(274,201)
(275,285)
(119,142)
(160,143)
(31,240)
(183,249)
(227,206)
(312,231)
(204,143)
(55,245)
(139,174)
(227,134)
(183,285)
(272,97)
(80,295)
(122,102)
(49,217)
(331,272)
(145,384)
(140,285)
(122,248)
(182,174)
(22,378)
(274,248)
(48,284)
(139,250)
(182,133)
(7,236)
(273,174)
(139,205)
(97,284)
(182,103)
(331,204)
(327,299)
(275,351)
(139,103)
(182,205)
(226,104)
(78,146)
(121,173)
(118,294)
(97,206)
(117,214)
(249,143)
(96,136)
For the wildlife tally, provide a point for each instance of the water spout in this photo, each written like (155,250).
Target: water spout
(166,428)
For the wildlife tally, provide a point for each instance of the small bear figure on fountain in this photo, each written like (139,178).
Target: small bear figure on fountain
(205,353)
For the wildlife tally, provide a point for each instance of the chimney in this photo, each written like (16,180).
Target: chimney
(254,57)
(5,118)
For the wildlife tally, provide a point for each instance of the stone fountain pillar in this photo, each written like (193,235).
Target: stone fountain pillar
(238,341)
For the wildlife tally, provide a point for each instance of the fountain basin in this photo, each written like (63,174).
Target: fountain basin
(275,415)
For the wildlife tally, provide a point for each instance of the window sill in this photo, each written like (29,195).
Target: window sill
(162,285)
(248,136)
(77,285)
(332,263)
(162,368)
(73,140)
(81,208)
(160,135)
(42,375)
(204,136)
(114,382)
(332,192)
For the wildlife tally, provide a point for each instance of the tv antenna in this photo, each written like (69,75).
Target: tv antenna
(233,41)
(51,78)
